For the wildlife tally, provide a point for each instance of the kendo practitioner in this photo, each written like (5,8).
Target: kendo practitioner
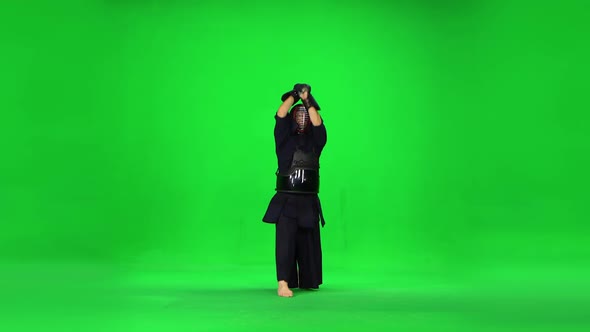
(295,209)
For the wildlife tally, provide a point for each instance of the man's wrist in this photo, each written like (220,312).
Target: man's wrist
(306,103)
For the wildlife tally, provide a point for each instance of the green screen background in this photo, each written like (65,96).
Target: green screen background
(141,133)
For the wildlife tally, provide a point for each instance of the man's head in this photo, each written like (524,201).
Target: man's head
(301,117)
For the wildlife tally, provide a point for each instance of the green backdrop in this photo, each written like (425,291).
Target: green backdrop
(141,132)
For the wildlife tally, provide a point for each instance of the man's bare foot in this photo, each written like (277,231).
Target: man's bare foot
(284,290)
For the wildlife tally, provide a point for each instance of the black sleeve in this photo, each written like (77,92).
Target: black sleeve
(281,129)
(320,135)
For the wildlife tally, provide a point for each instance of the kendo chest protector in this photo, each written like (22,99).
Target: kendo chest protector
(303,175)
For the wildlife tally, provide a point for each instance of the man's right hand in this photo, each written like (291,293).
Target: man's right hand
(293,93)
(301,88)
(288,102)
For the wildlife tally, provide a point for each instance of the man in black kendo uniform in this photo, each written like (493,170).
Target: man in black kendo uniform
(300,136)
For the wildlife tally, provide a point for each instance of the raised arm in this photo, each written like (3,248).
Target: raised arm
(285,107)
(311,105)
(289,98)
